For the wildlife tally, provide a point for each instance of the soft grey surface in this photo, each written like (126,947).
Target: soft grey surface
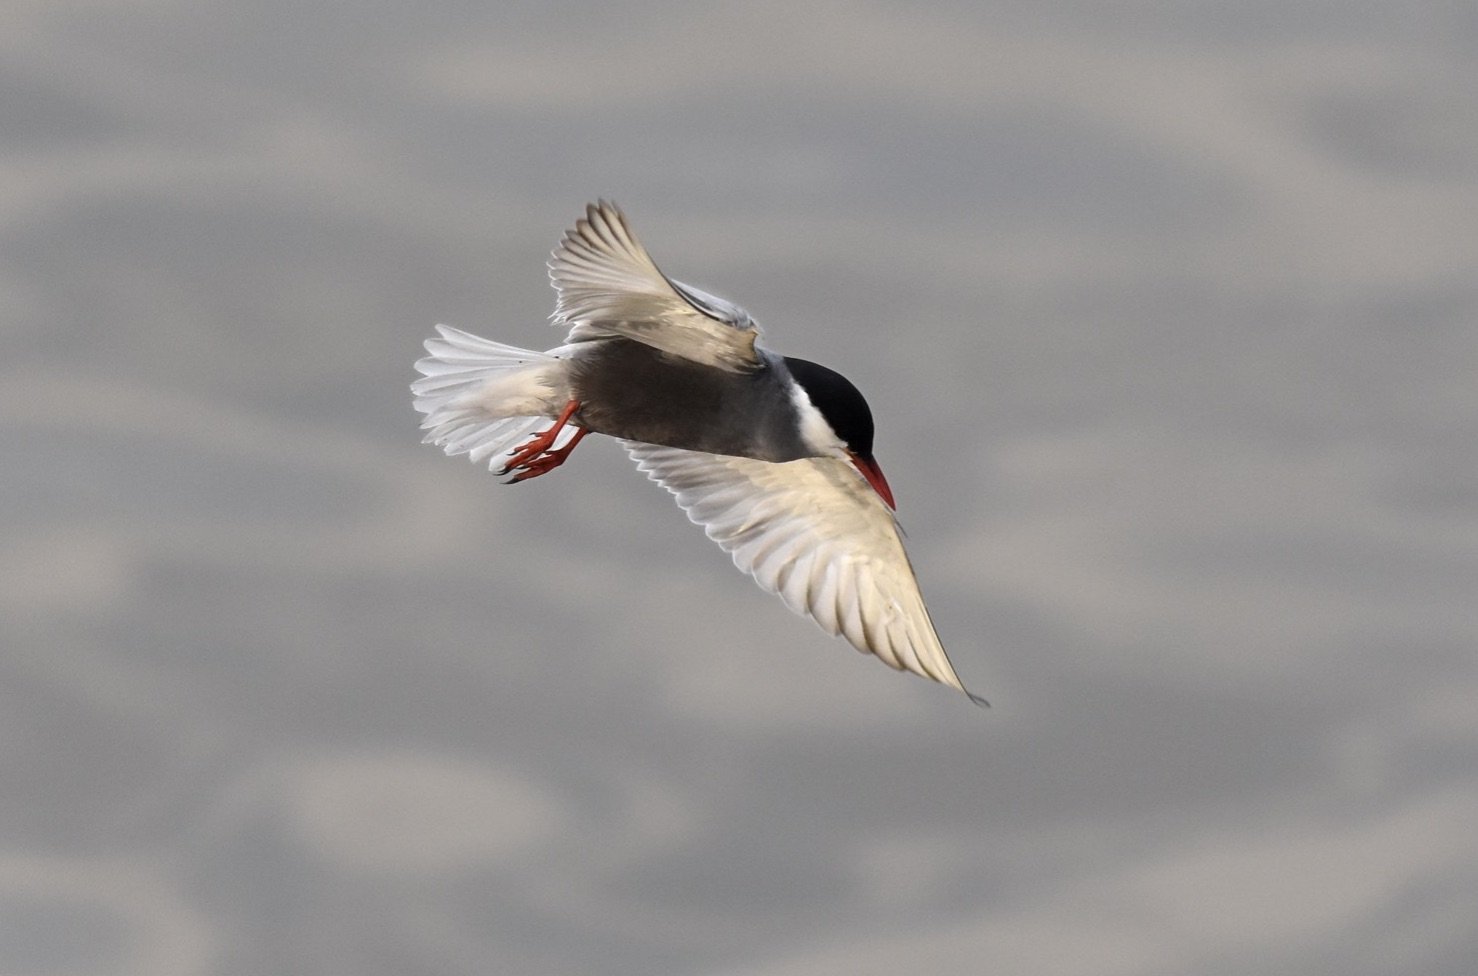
(1169,314)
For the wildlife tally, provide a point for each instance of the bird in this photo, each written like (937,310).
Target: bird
(772,455)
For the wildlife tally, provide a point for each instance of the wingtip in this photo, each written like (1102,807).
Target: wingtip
(604,211)
(975,699)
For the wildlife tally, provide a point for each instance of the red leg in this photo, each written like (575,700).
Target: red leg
(549,460)
(538,455)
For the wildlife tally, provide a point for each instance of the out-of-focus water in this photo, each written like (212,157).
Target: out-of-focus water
(1169,317)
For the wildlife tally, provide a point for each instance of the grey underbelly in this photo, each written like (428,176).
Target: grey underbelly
(632,391)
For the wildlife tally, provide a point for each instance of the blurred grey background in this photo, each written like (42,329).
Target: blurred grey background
(1169,313)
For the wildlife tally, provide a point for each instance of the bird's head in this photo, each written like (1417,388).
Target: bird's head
(838,422)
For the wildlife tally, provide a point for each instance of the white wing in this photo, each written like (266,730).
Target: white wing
(609,286)
(814,533)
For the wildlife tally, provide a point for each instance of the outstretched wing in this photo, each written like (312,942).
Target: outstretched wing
(609,286)
(814,533)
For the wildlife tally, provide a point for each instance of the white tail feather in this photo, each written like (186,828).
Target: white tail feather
(483,398)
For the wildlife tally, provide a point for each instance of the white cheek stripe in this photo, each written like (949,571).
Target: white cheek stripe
(815,431)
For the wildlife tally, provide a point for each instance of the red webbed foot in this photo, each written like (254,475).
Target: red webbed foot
(539,455)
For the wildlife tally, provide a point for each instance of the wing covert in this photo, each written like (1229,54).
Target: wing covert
(608,285)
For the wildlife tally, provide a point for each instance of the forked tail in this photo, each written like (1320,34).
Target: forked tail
(482,398)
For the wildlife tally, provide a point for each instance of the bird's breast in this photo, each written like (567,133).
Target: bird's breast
(630,390)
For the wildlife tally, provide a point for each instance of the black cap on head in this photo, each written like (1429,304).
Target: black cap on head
(839,401)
